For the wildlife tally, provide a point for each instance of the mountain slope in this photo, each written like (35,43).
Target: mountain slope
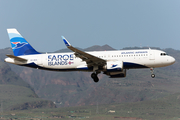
(15,93)
(15,97)
(61,87)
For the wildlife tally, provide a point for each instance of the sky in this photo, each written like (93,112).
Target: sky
(84,23)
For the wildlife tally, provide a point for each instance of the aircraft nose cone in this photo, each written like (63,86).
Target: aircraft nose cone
(172,60)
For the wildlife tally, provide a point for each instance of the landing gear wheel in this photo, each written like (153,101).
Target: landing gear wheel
(153,75)
(94,77)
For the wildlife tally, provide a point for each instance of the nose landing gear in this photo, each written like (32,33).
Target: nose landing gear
(152,74)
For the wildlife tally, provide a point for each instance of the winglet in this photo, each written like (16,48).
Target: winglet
(65,41)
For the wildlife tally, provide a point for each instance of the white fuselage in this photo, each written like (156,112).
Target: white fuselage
(132,59)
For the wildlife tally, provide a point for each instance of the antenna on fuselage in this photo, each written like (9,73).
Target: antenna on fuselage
(140,45)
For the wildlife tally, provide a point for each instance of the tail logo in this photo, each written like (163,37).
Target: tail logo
(18,44)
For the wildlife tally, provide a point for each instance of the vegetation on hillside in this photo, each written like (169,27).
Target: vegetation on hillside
(137,95)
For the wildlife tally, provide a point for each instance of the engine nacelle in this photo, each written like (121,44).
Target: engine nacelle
(114,66)
(115,69)
(118,74)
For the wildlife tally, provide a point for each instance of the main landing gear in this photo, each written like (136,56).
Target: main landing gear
(152,74)
(94,77)
(95,73)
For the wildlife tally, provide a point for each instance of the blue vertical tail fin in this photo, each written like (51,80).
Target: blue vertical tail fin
(19,45)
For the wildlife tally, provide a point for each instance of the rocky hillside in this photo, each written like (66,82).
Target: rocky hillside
(77,88)
(15,93)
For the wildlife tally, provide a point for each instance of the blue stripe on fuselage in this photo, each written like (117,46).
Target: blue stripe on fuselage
(126,65)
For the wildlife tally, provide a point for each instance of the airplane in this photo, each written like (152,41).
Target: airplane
(112,63)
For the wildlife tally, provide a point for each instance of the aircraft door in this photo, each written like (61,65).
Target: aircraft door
(39,60)
(151,55)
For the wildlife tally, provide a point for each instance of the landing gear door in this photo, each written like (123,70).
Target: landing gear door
(151,55)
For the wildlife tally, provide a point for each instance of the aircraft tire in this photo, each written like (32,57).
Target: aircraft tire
(153,75)
(94,77)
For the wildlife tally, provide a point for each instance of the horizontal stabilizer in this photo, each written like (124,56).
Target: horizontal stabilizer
(17,58)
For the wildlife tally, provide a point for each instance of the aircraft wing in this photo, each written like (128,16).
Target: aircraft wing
(91,60)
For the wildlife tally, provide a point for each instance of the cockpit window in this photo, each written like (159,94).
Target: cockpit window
(163,54)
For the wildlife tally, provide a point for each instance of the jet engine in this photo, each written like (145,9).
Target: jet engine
(118,74)
(114,66)
(114,69)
